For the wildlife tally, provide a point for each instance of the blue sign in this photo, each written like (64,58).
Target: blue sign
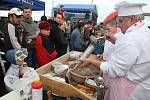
(29,2)
(34,4)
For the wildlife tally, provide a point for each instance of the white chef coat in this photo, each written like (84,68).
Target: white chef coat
(109,47)
(131,59)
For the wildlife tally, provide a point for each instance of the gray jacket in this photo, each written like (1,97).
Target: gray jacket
(77,42)
(30,28)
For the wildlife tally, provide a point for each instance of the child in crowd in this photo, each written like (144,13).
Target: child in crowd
(45,49)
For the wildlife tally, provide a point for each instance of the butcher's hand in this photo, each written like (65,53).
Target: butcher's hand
(85,62)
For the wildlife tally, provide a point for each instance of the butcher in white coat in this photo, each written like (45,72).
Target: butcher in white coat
(112,32)
(130,61)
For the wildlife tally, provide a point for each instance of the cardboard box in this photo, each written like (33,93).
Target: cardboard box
(60,88)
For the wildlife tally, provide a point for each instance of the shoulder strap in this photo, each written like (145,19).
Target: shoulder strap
(3,26)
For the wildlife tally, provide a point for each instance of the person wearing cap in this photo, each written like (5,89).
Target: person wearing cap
(45,50)
(112,32)
(130,59)
(13,36)
(12,33)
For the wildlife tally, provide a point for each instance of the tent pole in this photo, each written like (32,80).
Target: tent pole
(44,8)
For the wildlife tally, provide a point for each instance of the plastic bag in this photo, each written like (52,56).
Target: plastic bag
(12,80)
(23,85)
(11,76)
(59,67)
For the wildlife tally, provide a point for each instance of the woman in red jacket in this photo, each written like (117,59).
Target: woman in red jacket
(45,50)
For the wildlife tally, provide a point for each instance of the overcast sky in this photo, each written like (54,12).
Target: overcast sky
(104,7)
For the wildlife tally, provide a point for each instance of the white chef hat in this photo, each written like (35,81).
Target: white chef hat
(125,8)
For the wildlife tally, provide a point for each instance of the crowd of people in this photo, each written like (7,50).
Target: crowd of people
(122,40)
(46,40)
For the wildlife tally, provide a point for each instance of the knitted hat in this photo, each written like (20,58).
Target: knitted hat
(45,25)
